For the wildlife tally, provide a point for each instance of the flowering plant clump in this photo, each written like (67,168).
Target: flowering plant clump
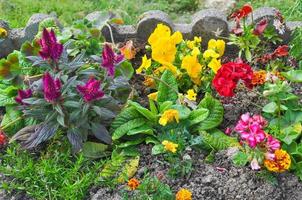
(72,97)
(184,58)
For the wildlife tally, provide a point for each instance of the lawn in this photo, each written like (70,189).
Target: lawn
(17,12)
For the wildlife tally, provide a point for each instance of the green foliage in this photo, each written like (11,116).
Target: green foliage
(168,88)
(217,140)
(55,174)
(294,76)
(119,168)
(240,159)
(215,116)
(9,67)
(296,46)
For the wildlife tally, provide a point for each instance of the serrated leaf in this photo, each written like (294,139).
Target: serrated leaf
(129,170)
(158,149)
(94,150)
(125,128)
(125,115)
(240,159)
(215,116)
(197,116)
(145,129)
(145,112)
(183,111)
(168,88)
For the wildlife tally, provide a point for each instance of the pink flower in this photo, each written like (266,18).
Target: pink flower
(228,131)
(91,90)
(255,165)
(269,156)
(51,88)
(110,59)
(50,48)
(253,136)
(23,94)
(260,27)
(272,143)
(260,120)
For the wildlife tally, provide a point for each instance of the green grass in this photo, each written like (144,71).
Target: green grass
(55,174)
(17,12)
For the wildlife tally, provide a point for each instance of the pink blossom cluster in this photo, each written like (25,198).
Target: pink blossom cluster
(251,131)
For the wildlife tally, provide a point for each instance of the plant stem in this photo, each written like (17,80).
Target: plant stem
(11,123)
(111,33)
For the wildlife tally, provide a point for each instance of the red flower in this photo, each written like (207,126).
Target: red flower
(110,59)
(51,88)
(3,139)
(228,76)
(281,51)
(260,27)
(243,12)
(50,48)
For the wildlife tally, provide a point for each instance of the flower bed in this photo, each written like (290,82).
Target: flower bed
(158,125)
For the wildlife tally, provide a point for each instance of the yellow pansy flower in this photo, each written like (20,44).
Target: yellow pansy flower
(3,33)
(217,45)
(177,37)
(191,95)
(146,63)
(210,53)
(170,146)
(169,116)
(159,32)
(193,67)
(167,66)
(195,51)
(215,65)
(193,43)
(153,96)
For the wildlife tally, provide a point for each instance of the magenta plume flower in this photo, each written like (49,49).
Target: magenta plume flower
(50,48)
(23,94)
(110,59)
(51,88)
(91,90)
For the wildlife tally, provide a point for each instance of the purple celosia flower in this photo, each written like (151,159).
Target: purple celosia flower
(91,90)
(50,48)
(23,94)
(110,59)
(272,144)
(51,88)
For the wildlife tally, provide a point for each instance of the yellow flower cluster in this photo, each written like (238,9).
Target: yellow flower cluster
(280,163)
(168,116)
(170,146)
(215,50)
(3,33)
(193,67)
(191,95)
(183,194)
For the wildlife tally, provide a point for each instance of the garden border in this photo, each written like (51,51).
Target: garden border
(204,23)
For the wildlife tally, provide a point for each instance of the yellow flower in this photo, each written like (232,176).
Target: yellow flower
(170,146)
(167,66)
(217,45)
(3,33)
(193,67)
(191,95)
(163,44)
(146,63)
(133,183)
(195,51)
(215,65)
(280,163)
(184,194)
(210,53)
(193,43)
(153,96)
(128,50)
(169,116)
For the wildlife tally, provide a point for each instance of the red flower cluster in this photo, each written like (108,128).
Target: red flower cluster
(260,27)
(228,76)
(281,51)
(3,139)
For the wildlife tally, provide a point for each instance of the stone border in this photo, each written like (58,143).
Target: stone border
(204,23)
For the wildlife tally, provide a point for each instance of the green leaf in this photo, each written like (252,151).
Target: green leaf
(158,149)
(165,92)
(293,75)
(165,106)
(145,128)
(153,107)
(125,115)
(125,128)
(184,112)
(215,116)
(197,116)
(125,69)
(94,150)
(270,107)
(11,115)
(240,159)
(131,143)
(129,170)
(61,120)
(145,112)
(248,55)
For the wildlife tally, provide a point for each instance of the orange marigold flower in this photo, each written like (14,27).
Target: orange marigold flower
(259,77)
(280,163)
(278,74)
(149,82)
(133,183)
(184,194)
